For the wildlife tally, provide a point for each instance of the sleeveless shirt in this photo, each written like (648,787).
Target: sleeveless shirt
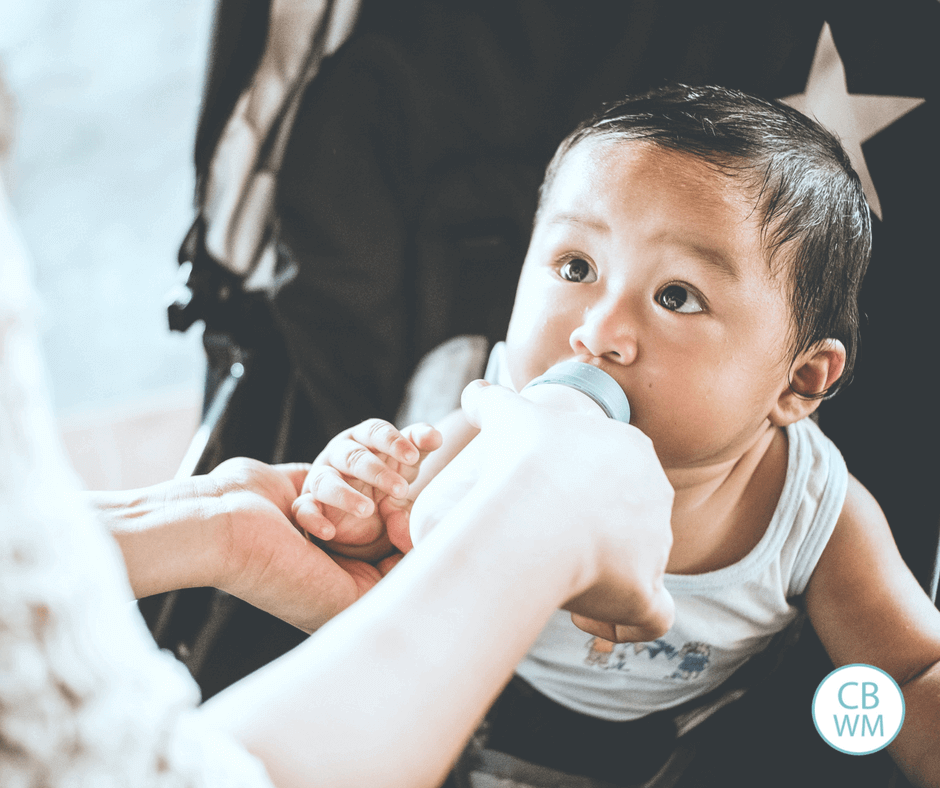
(723,617)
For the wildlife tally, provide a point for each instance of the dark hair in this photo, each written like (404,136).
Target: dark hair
(811,203)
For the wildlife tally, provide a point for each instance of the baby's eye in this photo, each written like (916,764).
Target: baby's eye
(577,270)
(677,298)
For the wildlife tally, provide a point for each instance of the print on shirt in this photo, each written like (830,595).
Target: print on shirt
(693,657)
(693,661)
(655,648)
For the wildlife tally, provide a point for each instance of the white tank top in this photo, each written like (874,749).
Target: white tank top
(722,617)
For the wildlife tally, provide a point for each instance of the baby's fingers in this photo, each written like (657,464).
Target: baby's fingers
(325,485)
(364,454)
(382,437)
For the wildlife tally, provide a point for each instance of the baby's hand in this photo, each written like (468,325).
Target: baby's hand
(357,489)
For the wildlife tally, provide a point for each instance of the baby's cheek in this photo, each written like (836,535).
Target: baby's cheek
(523,366)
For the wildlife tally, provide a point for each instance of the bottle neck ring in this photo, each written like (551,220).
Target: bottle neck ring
(594,382)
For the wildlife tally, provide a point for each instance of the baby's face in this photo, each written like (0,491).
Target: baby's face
(649,264)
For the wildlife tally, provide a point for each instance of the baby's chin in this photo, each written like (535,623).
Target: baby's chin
(679,456)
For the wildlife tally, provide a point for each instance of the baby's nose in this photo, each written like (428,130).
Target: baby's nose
(606,333)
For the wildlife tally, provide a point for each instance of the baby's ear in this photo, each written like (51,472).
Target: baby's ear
(814,372)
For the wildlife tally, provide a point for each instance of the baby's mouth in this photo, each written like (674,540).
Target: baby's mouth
(614,370)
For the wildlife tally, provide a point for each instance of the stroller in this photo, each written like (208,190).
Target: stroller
(366,180)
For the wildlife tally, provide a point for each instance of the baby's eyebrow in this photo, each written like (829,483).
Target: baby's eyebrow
(711,257)
(717,261)
(585,221)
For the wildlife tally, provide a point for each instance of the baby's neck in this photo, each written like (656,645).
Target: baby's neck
(722,510)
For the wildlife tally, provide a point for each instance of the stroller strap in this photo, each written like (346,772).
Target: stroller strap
(243,171)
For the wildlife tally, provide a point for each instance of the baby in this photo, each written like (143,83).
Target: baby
(704,248)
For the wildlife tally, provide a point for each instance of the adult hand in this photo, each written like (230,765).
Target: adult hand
(595,489)
(231,529)
(563,509)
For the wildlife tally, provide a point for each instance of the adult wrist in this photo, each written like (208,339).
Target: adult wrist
(168,534)
(526,538)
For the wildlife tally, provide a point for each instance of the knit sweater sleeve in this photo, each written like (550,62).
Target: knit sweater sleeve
(86,698)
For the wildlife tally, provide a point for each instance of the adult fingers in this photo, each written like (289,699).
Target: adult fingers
(295,473)
(396,514)
(309,516)
(479,399)
(601,629)
(426,439)
(386,565)
(654,624)
(496,407)
(658,620)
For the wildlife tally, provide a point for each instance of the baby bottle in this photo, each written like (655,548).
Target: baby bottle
(571,385)
(579,387)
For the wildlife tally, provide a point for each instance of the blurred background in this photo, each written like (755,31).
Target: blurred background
(105,96)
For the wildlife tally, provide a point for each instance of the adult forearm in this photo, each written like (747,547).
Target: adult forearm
(388,693)
(164,537)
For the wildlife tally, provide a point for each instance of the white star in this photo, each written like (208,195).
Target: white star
(853,118)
